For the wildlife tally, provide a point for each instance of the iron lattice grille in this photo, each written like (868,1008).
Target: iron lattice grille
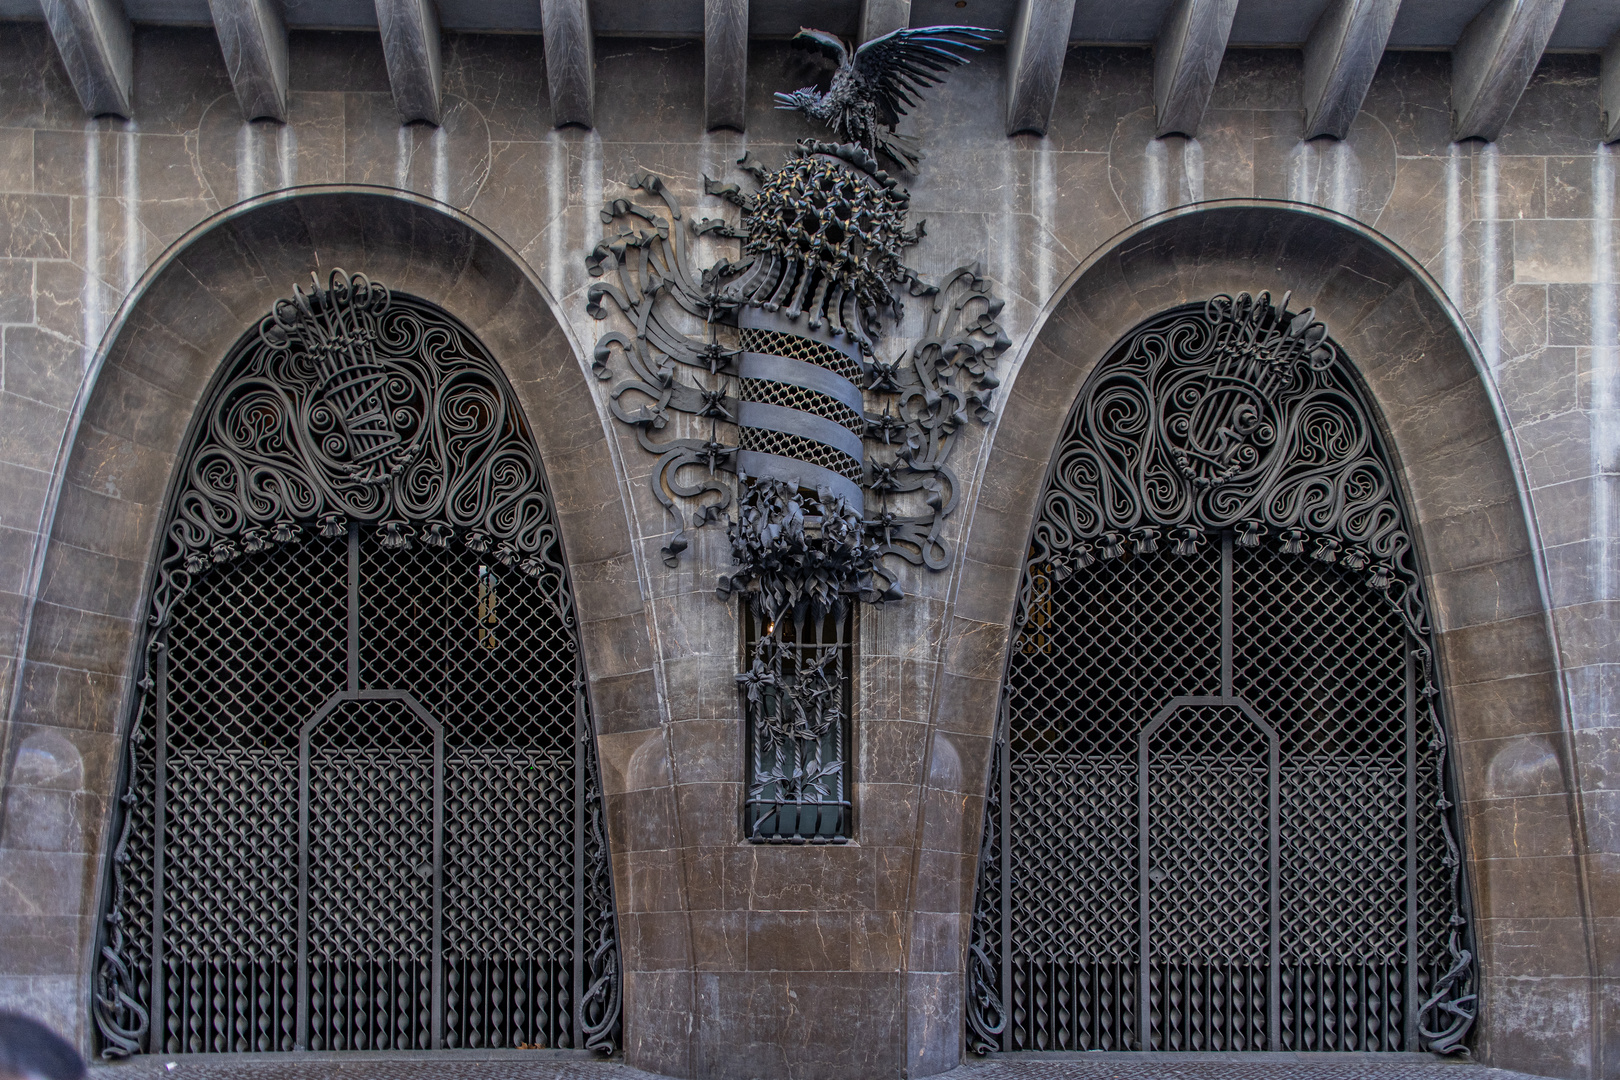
(784,444)
(799,347)
(1217,816)
(804,399)
(361,807)
(798,699)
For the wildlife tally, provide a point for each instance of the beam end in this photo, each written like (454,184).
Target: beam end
(725,64)
(253,39)
(1036,46)
(1493,61)
(97,48)
(1609,90)
(410,38)
(1186,59)
(570,61)
(1341,58)
(879,17)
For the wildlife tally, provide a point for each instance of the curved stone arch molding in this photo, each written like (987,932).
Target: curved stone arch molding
(113,476)
(1443,413)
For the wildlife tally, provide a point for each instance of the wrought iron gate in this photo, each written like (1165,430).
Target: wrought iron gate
(1218,815)
(361,808)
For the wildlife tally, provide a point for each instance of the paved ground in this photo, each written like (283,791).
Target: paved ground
(361,1066)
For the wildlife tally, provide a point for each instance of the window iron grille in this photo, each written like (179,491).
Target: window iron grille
(1219,814)
(360,803)
(798,694)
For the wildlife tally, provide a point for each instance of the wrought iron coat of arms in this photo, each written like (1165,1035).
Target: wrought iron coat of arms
(771,388)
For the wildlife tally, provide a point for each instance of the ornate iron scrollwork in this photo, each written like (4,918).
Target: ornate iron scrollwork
(353,417)
(1239,416)
(1214,441)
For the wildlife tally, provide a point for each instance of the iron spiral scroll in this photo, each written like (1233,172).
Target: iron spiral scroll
(361,706)
(1221,607)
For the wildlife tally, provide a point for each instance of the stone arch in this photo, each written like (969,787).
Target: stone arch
(76,681)
(1476,543)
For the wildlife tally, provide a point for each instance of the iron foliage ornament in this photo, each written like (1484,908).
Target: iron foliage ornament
(363,428)
(782,382)
(761,383)
(1220,525)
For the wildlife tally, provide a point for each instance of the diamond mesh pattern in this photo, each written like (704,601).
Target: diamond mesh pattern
(1073,784)
(255,650)
(1322,659)
(1209,909)
(371,848)
(771,392)
(1208,893)
(794,347)
(781,443)
(1342,789)
(232,761)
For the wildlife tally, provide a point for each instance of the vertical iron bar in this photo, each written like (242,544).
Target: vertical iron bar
(1004,785)
(1226,613)
(438,887)
(1273,830)
(354,608)
(1411,1033)
(301,1031)
(158,1014)
(581,732)
(845,815)
(1143,1019)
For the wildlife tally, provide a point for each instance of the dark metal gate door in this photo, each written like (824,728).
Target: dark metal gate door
(1207,836)
(370,874)
(361,807)
(1219,822)
(1218,814)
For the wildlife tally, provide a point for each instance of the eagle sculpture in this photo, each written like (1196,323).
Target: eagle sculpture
(873,87)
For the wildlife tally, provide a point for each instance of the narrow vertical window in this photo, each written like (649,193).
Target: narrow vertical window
(798,700)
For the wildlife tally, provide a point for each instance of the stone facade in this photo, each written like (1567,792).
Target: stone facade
(1472,283)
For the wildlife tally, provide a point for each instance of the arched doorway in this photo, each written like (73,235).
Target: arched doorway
(1220,813)
(360,806)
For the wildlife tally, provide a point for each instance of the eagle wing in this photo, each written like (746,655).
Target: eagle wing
(905,62)
(826,44)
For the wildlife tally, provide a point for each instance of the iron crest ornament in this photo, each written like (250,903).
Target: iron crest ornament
(771,365)
(361,406)
(361,806)
(1221,526)
(769,387)
(1241,416)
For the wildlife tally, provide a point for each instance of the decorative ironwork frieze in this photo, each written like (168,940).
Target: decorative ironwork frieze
(1220,814)
(356,405)
(360,807)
